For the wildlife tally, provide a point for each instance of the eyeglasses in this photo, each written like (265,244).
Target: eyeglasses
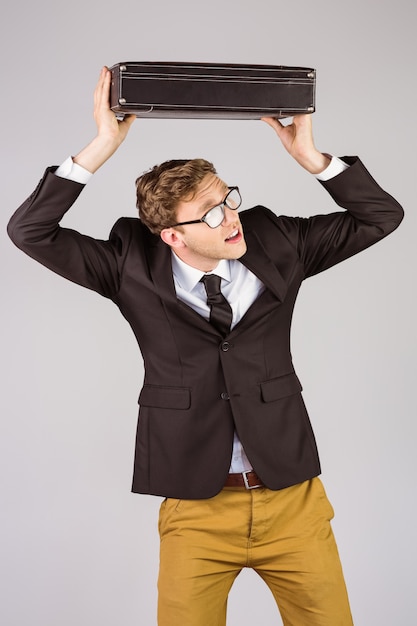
(215,216)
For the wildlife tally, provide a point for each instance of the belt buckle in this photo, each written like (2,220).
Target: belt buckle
(246,481)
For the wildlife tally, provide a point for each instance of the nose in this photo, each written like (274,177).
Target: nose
(230,215)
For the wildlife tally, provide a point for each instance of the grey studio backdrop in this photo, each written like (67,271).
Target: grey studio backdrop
(76,546)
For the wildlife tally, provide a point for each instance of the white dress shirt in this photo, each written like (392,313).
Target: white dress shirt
(241,288)
(239,285)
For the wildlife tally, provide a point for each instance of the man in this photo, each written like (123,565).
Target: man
(223,432)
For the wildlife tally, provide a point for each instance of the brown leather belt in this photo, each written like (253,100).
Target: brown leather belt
(248,480)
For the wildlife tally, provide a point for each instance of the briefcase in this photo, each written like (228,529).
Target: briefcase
(211,91)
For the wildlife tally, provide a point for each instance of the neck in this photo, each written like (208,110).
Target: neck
(206,265)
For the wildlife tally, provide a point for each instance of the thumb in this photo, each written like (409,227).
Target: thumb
(273,122)
(129,119)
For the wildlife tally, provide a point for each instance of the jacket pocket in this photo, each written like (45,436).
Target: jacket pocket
(165,397)
(281,387)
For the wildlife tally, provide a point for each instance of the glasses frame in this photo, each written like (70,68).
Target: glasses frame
(221,206)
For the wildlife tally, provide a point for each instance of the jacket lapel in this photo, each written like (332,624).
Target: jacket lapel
(257,260)
(161,269)
(160,266)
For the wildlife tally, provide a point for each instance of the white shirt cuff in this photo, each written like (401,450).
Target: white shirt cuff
(72,171)
(335,167)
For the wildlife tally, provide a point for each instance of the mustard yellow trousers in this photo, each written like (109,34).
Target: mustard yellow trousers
(285,536)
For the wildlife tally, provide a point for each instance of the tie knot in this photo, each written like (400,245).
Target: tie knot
(220,311)
(212,284)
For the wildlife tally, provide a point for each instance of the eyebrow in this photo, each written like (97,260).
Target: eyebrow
(210,204)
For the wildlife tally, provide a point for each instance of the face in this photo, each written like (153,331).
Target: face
(199,245)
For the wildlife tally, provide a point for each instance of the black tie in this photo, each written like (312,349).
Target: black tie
(220,310)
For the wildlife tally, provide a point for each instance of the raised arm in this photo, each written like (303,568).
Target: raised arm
(35,226)
(371,213)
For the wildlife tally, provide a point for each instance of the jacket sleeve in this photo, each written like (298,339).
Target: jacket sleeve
(371,214)
(35,229)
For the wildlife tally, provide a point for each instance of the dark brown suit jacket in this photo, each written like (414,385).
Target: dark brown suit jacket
(199,386)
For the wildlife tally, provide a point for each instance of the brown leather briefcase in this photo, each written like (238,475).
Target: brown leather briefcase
(217,91)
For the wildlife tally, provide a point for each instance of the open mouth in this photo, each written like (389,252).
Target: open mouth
(234,236)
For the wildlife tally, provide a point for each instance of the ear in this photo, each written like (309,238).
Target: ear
(172,237)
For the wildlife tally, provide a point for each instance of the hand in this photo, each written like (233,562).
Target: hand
(297,139)
(111,132)
(108,126)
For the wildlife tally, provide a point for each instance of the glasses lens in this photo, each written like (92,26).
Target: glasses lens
(233,199)
(214,217)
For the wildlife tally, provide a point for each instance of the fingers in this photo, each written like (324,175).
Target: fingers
(104,117)
(102,90)
(273,122)
(285,132)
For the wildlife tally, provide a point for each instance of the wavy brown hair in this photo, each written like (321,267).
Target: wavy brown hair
(159,190)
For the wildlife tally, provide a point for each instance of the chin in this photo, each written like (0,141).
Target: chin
(239,252)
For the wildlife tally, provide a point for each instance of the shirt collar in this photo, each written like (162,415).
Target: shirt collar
(188,277)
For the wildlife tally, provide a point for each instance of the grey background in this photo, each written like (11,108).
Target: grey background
(76,546)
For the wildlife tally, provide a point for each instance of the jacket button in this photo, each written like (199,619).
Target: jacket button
(225,396)
(226,346)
